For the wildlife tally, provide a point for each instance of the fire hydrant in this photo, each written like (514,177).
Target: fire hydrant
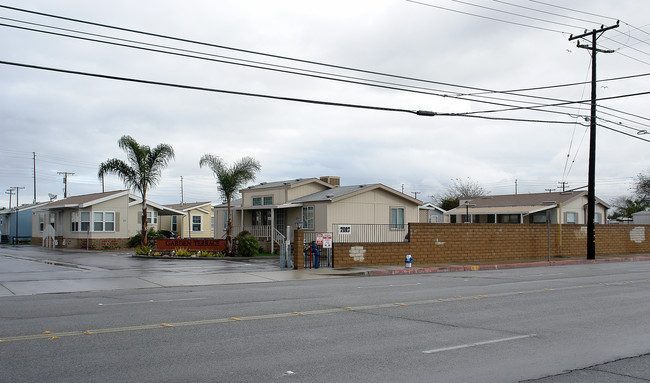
(408,260)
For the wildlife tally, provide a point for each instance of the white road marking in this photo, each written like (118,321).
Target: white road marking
(478,344)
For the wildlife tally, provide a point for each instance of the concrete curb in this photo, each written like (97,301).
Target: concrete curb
(503,266)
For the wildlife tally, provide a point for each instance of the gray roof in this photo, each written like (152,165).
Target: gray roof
(519,202)
(81,199)
(330,194)
(289,183)
(187,205)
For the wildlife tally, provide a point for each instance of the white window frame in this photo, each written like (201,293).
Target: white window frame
(308,219)
(573,214)
(597,218)
(212,224)
(394,218)
(257,201)
(174,225)
(104,224)
(151,214)
(74,221)
(84,220)
(200,223)
(267,200)
(41,222)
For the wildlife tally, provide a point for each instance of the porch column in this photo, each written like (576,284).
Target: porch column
(271,229)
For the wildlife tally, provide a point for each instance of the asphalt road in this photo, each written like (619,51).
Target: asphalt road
(555,324)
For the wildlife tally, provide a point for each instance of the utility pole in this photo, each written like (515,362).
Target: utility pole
(34,177)
(182,202)
(10,191)
(415,194)
(591,188)
(515,186)
(16,188)
(563,184)
(65,181)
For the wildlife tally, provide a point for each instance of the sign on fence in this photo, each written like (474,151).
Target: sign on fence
(345,229)
(327,240)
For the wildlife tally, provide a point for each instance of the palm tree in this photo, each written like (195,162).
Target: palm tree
(141,173)
(230,180)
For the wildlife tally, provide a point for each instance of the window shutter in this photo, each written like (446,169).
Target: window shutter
(117,221)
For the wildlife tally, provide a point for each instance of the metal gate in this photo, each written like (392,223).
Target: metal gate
(325,254)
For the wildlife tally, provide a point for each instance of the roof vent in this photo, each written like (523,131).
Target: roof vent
(262,183)
(330,196)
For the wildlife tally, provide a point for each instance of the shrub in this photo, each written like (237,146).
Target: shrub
(247,245)
(152,234)
(212,255)
(183,252)
(144,250)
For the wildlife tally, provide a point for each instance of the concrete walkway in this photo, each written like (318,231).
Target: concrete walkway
(28,270)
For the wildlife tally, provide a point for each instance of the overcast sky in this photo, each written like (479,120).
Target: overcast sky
(72,122)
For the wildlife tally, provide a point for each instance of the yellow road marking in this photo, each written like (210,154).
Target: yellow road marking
(57,335)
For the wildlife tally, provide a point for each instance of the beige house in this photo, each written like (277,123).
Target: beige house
(316,206)
(563,207)
(99,220)
(197,220)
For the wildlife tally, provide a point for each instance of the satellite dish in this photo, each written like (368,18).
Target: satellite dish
(52,196)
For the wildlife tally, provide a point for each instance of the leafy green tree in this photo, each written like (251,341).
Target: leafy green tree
(141,173)
(230,180)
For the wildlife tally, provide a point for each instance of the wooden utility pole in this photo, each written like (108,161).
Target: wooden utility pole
(65,182)
(591,188)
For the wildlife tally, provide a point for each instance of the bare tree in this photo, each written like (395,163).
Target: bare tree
(457,190)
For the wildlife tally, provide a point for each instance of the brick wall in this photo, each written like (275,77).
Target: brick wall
(439,243)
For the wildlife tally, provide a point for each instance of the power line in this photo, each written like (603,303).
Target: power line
(190,87)
(486,17)
(267,64)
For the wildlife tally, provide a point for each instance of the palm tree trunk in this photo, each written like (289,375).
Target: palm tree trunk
(229,232)
(143,237)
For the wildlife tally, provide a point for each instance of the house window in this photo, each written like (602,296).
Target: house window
(103,221)
(257,201)
(196,223)
(308,217)
(268,200)
(539,218)
(41,222)
(212,224)
(397,218)
(596,217)
(571,218)
(98,221)
(509,218)
(225,220)
(175,223)
(109,221)
(85,221)
(74,221)
(152,217)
